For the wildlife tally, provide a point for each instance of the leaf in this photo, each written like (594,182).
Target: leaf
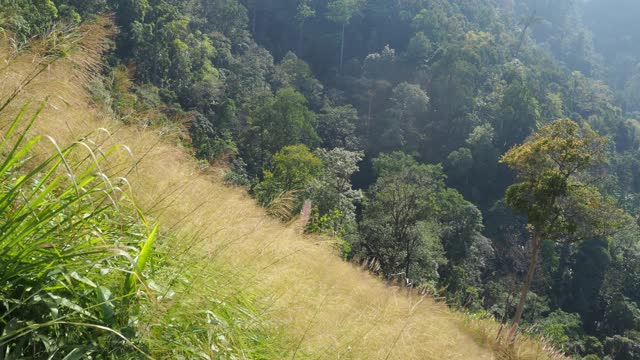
(106,307)
(83,279)
(147,248)
(145,253)
(75,354)
(70,305)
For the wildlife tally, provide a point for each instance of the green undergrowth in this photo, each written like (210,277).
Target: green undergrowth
(70,258)
(490,334)
(84,275)
(206,311)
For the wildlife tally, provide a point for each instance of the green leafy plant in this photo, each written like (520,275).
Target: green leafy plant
(69,255)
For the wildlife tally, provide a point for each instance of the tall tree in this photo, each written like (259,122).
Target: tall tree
(281,121)
(341,12)
(332,195)
(560,204)
(405,118)
(400,203)
(520,113)
(294,72)
(337,127)
(304,12)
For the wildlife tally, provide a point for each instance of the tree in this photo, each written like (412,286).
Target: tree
(380,65)
(304,11)
(438,21)
(591,264)
(405,117)
(228,17)
(87,7)
(527,22)
(631,93)
(339,166)
(400,206)
(29,17)
(562,329)
(333,198)
(458,164)
(337,127)
(341,12)
(520,114)
(294,72)
(293,168)
(419,50)
(281,121)
(560,205)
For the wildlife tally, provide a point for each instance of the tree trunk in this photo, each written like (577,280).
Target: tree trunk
(407,266)
(525,289)
(369,114)
(154,67)
(253,19)
(300,39)
(521,40)
(342,46)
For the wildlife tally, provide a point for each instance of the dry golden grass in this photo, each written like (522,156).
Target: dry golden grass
(328,309)
(486,332)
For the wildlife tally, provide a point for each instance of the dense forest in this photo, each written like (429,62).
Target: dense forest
(444,144)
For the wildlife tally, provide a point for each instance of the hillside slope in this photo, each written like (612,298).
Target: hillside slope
(322,307)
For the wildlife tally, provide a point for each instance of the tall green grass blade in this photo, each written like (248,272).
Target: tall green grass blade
(75,354)
(106,307)
(147,249)
(11,156)
(65,162)
(60,222)
(143,257)
(14,124)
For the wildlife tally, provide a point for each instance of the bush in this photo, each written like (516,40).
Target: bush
(237,174)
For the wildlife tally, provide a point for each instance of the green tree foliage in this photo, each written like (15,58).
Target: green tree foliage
(381,65)
(281,121)
(28,18)
(397,211)
(631,92)
(294,72)
(405,119)
(520,115)
(419,49)
(304,12)
(622,347)
(337,127)
(333,198)
(565,332)
(334,188)
(558,204)
(292,169)
(209,141)
(411,218)
(592,262)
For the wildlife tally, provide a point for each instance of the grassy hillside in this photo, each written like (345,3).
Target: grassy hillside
(227,281)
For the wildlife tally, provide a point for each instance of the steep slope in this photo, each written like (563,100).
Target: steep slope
(322,307)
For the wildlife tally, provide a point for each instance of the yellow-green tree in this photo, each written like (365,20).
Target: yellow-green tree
(555,192)
(293,168)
